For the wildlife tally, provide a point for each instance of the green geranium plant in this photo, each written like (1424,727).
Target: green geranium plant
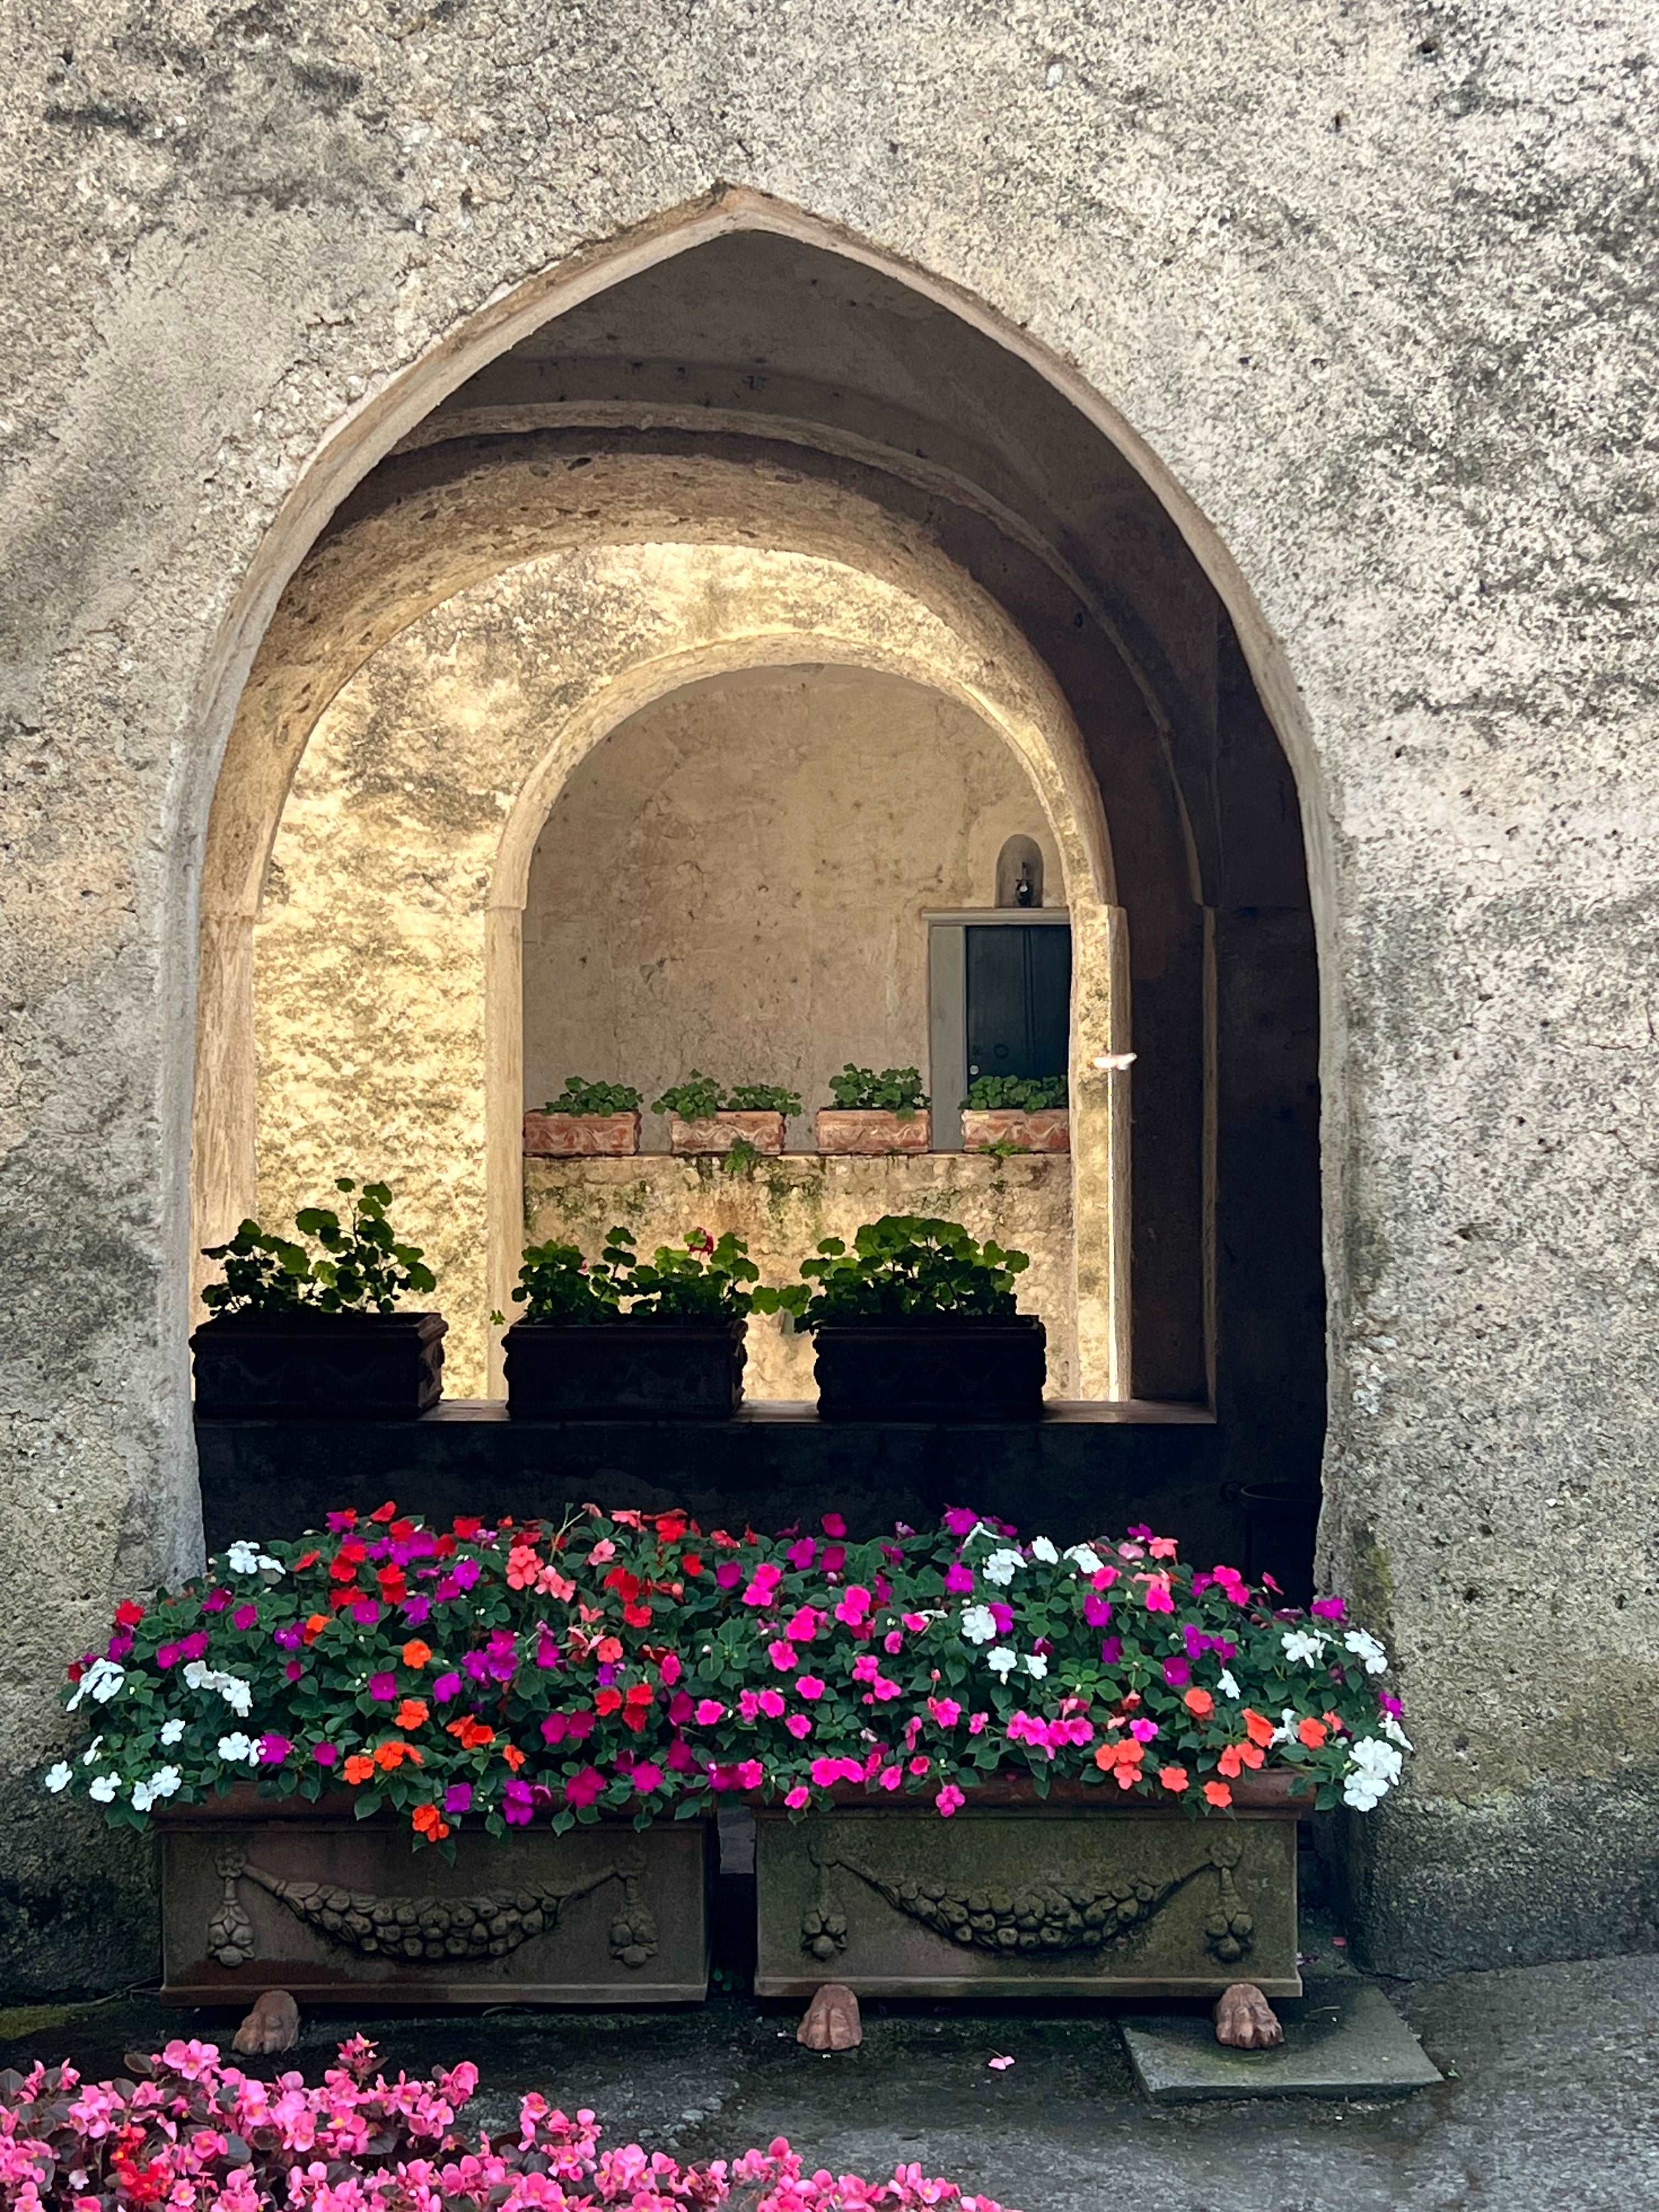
(578,1097)
(704,1278)
(1021,1094)
(699,1099)
(904,1266)
(356,1266)
(895,1090)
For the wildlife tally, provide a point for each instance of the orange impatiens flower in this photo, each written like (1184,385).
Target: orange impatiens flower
(416,1654)
(608,1650)
(1237,1755)
(393,1752)
(315,1624)
(471,1734)
(1258,1728)
(429,1822)
(1313,1733)
(513,1755)
(1122,1758)
(1217,1793)
(1199,1703)
(357,1768)
(411,1714)
(1173,1778)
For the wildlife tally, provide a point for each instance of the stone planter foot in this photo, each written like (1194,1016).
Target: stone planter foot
(1245,2020)
(272,2026)
(832,2021)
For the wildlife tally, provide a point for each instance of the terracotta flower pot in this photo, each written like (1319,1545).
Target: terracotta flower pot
(870,1132)
(259,1893)
(1085,1893)
(580,1136)
(1046,1130)
(718,1132)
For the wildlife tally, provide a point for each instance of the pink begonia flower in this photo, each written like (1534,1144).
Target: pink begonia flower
(603,1551)
(886,1688)
(800,1726)
(1003,1616)
(959,1580)
(1104,1577)
(915,1622)
(681,1707)
(383,1687)
(950,1800)
(1327,1608)
(833,1525)
(800,1796)
(709,1710)
(808,1686)
(1111,1650)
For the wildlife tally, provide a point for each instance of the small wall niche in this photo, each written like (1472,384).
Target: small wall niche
(1019,873)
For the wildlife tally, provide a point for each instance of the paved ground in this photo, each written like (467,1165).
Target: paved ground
(1551,2103)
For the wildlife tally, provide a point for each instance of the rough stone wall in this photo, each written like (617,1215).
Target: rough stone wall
(735,880)
(784,1207)
(1373,287)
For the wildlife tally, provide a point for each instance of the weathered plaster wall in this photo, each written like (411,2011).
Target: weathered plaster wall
(375,969)
(735,881)
(1373,288)
(784,1207)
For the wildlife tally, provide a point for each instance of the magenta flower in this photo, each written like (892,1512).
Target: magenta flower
(782,1655)
(833,1525)
(1327,1608)
(366,1611)
(517,1803)
(584,1786)
(950,1800)
(1177,1673)
(1111,1650)
(1096,1610)
(417,1610)
(458,1798)
(802,1553)
(325,1755)
(800,1796)
(195,1645)
(273,1748)
(960,1522)
(800,1726)
(834,1560)
(1143,1731)
(246,1616)
(709,1710)
(216,1601)
(728,1574)
(808,1686)
(446,1687)
(289,1638)
(750,1774)
(959,1580)
(383,1687)
(647,1777)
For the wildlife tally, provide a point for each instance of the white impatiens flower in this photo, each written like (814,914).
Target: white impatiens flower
(1036,1665)
(1042,1549)
(100,1682)
(161,1783)
(1285,1732)
(1303,1646)
(59,1777)
(1374,1767)
(244,1557)
(236,1749)
(172,1731)
(1002,1661)
(1002,1566)
(1395,1734)
(1227,1683)
(89,1756)
(103,1788)
(1085,1556)
(979,1624)
(1366,1647)
(236,1693)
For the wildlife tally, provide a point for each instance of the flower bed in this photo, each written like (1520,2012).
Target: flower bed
(630,1663)
(189,2132)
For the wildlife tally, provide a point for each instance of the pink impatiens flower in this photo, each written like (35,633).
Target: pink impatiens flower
(808,1686)
(950,1800)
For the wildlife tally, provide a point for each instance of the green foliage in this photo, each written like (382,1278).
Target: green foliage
(1023,1094)
(902,1266)
(741,1161)
(360,1267)
(694,1100)
(896,1090)
(699,1097)
(581,1097)
(699,1280)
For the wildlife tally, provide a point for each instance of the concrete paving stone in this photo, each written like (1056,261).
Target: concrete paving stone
(1342,2038)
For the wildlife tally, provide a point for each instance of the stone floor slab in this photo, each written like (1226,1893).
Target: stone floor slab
(1342,2038)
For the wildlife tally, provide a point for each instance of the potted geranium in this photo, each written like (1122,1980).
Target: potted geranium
(302,1329)
(875,1114)
(978,1759)
(624,1337)
(586,1120)
(705,1116)
(1016,1114)
(917,1323)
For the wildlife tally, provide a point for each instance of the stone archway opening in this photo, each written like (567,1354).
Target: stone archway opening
(747,346)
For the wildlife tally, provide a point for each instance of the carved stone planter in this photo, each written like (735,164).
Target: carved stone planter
(872,1132)
(334,1367)
(930,1370)
(259,1893)
(718,1132)
(1015,1897)
(625,1370)
(1048,1129)
(580,1136)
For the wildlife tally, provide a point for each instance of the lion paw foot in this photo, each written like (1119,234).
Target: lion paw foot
(1245,2020)
(832,2021)
(272,2028)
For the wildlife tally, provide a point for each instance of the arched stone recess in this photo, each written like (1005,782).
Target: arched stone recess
(389,963)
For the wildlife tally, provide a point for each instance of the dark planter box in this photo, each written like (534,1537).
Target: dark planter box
(935,1371)
(1077,1895)
(262,1893)
(362,1367)
(625,1370)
